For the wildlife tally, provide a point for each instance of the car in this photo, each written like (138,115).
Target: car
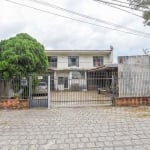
(41,89)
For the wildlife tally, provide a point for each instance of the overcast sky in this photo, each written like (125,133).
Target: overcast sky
(59,33)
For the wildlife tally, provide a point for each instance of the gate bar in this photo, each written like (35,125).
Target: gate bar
(30,90)
(49,95)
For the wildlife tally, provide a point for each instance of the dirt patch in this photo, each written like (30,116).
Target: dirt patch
(141,111)
(146,114)
(3,123)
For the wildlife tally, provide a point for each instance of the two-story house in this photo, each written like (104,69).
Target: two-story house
(66,66)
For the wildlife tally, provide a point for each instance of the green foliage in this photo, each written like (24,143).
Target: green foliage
(35,81)
(22,55)
(143,5)
(146,17)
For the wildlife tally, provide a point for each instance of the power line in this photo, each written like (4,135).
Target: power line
(129,4)
(139,4)
(120,5)
(86,16)
(48,12)
(119,9)
(121,2)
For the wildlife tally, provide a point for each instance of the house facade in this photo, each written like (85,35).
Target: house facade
(68,68)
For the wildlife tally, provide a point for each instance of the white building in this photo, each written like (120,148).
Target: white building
(68,68)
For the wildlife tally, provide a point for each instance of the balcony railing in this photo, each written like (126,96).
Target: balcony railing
(73,64)
(52,64)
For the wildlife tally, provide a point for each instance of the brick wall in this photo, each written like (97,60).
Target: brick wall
(132,101)
(14,104)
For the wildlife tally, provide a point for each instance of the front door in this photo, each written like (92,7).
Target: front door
(65,82)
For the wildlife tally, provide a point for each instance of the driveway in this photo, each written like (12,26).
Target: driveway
(92,128)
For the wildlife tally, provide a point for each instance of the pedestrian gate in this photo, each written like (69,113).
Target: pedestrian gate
(38,91)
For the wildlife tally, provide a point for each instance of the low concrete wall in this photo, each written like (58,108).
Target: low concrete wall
(132,101)
(14,104)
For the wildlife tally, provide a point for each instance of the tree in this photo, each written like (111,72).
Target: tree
(146,51)
(143,5)
(22,55)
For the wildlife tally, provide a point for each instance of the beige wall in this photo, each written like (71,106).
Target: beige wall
(85,61)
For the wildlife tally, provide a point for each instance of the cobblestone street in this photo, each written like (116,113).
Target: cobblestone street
(92,128)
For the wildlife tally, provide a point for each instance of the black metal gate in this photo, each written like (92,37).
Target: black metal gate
(91,91)
(38,91)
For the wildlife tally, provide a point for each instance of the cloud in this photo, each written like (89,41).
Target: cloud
(9,30)
(58,33)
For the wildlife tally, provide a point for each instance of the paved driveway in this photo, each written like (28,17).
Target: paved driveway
(76,128)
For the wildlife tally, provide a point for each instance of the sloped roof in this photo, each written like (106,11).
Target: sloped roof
(105,67)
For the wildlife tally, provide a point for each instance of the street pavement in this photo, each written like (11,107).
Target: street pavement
(86,128)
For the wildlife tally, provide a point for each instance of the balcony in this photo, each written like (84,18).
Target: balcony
(73,64)
(52,64)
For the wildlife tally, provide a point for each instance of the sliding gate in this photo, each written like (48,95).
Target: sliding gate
(81,92)
(63,92)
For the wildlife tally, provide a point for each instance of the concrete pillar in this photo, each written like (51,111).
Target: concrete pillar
(30,90)
(86,80)
(49,95)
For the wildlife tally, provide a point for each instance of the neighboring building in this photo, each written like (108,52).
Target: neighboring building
(66,66)
(134,76)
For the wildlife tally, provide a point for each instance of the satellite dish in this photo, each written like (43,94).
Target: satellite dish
(111,47)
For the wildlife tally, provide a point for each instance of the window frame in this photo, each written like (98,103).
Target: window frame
(70,63)
(53,60)
(100,61)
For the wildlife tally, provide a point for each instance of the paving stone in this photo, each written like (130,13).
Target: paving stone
(84,140)
(14,142)
(90,145)
(108,148)
(92,139)
(3,142)
(64,146)
(73,146)
(81,145)
(101,138)
(76,140)
(33,147)
(42,142)
(33,142)
(79,135)
(117,143)
(100,144)
(127,142)
(119,148)
(68,140)
(88,128)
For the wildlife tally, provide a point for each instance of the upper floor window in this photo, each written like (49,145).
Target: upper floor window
(98,61)
(52,61)
(73,61)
